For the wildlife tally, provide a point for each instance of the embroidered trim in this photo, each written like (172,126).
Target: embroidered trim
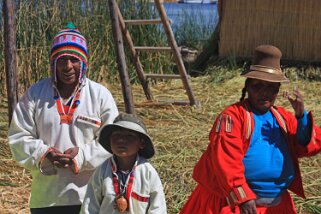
(280,119)
(313,136)
(248,122)
(140,198)
(74,167)
(236,196)
(218,125)
(48,169)
(43,157)
(66,118)
(228,201)
(228,123)
(241,192)
(233,196)
(89,120)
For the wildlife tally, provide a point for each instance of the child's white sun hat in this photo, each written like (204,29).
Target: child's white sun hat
(131,122)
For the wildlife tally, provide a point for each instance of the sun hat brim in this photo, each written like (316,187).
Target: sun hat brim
(147,152)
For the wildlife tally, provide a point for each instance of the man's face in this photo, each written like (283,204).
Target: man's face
(68,70)
(262,94)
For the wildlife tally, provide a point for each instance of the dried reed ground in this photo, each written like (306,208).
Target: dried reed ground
(180,136)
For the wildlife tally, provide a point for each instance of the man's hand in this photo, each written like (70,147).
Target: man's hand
(54,157)
(297,103)
(248,207)
(68,155)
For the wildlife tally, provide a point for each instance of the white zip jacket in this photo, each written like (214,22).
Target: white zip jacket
(147,193)
(35,127)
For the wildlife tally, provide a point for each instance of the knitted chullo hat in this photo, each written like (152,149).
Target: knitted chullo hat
(69,41)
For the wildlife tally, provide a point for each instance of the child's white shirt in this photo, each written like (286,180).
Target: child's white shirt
(100,195)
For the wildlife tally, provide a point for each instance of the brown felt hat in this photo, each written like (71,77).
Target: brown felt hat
(266,65)
(131,122)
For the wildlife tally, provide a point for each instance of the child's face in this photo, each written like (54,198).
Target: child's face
(125,143)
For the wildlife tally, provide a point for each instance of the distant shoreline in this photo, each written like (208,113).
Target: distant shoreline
(188,1)
(198,1)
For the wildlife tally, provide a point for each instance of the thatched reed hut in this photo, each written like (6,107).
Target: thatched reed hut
(292,25)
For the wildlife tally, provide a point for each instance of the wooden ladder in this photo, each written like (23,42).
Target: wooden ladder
(142,76)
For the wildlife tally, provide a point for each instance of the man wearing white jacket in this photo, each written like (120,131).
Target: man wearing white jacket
(55,125)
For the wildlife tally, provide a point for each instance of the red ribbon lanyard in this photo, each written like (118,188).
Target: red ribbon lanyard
(67,118)
(129,183)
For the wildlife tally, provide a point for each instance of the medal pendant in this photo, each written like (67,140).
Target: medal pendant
(121,203)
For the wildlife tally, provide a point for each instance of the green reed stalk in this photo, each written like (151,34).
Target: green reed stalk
(38,22)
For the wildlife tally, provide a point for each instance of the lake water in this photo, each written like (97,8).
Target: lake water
(203,15)
(192,21)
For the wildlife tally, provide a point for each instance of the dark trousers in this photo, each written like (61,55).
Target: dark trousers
(57,210)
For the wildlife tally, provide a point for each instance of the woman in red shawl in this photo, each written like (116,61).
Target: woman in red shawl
(252,159)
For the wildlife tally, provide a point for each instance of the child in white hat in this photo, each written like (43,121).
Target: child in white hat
(126,182)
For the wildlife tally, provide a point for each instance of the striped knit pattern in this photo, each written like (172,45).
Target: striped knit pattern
(69,41)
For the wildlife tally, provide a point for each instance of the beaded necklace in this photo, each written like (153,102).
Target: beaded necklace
(66,118)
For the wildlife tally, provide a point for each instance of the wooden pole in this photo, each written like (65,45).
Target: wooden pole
(10,52)
(177,54)
(120,54)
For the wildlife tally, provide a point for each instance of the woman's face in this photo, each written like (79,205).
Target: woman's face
(262,94)
(68,70)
